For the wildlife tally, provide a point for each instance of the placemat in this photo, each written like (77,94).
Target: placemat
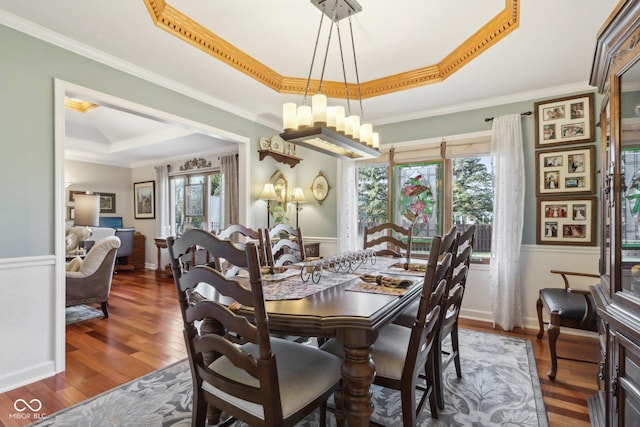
(373,288)
(415,269)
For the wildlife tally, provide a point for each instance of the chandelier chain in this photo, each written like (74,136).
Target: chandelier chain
(355,63)
(313,59)
(344,71)
(326,52)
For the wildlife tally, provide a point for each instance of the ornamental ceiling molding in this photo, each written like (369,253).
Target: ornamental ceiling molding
(180,25)
(79,105)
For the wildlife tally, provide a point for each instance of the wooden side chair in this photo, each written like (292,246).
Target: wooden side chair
(405,356)
(284,245)
(568,308)
(265,381)
(450,241)
(448,327)
(389,239)
(448,244)
(240,234)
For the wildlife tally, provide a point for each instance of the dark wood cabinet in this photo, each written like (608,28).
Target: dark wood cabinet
(616,73)
(137,255)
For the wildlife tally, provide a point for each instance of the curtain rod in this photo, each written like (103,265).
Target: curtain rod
(526,113)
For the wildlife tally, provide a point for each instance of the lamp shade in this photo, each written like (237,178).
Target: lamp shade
(87,209)
(268,192)
(298,195)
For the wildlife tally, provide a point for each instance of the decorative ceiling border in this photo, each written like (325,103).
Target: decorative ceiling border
(79,105)
(180,25)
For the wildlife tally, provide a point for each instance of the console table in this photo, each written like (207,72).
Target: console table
(161,242)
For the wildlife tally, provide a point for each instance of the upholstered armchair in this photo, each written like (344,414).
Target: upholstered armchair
(74,236)
(89,279)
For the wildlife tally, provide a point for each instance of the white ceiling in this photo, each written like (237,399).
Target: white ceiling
(550,53)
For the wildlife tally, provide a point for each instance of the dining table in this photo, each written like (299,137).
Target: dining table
(340,305)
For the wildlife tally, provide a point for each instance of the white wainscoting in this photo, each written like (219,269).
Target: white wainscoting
(27,320)
(28,317)
(536,262)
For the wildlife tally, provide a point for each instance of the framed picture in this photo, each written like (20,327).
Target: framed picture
(567,171)
(320,187)
(278,208)
(564,120)
(566,221)
(144,200)
(107,202)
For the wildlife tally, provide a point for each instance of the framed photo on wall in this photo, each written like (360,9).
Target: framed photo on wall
(566,171)
(107,202)
(567,120)
(144,200)
(566,221)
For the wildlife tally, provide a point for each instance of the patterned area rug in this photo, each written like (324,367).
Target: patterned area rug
(79,313)
(499,387)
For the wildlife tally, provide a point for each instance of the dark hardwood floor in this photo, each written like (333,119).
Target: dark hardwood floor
(144,333)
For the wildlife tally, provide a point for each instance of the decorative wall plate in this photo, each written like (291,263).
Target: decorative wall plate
(277,144)
(265,144)
(320,187)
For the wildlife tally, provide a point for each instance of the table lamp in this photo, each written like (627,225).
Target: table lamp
(87,209)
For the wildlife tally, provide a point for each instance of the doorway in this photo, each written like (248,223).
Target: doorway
(178,126)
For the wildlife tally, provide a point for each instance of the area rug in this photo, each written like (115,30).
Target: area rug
(499,387)
(79,313)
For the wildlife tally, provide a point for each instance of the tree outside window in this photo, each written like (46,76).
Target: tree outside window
(416,197)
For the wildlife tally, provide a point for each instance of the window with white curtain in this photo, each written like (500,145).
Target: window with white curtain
(435,186)
(196,201)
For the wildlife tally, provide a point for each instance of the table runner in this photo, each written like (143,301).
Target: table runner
(295,288)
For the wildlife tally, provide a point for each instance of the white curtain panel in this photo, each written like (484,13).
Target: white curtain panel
(163,228)
(347,206)
(508,218)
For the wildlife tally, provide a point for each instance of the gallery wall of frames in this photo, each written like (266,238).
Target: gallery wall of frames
(565,171)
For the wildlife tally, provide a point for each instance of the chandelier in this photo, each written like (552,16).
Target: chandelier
(329,129)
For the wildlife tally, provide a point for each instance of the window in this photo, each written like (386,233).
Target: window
(417,199)
(434,194)
(472,199)
(373,202)
(196,202)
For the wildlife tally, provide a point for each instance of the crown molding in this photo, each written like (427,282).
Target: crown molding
(56,39)
(548,92)
(187,29)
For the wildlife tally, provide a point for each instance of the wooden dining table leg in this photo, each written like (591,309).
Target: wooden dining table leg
(358,373)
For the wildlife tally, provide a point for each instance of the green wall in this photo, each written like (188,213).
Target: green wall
(28,67)
(473,121)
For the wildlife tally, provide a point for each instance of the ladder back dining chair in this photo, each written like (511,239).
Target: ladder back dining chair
(284,245)
(403,357)
(264,382)
(389,239)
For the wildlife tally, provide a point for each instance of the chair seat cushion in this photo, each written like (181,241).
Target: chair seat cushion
(304,373)
(389,351)
(408,317)
(568,305)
